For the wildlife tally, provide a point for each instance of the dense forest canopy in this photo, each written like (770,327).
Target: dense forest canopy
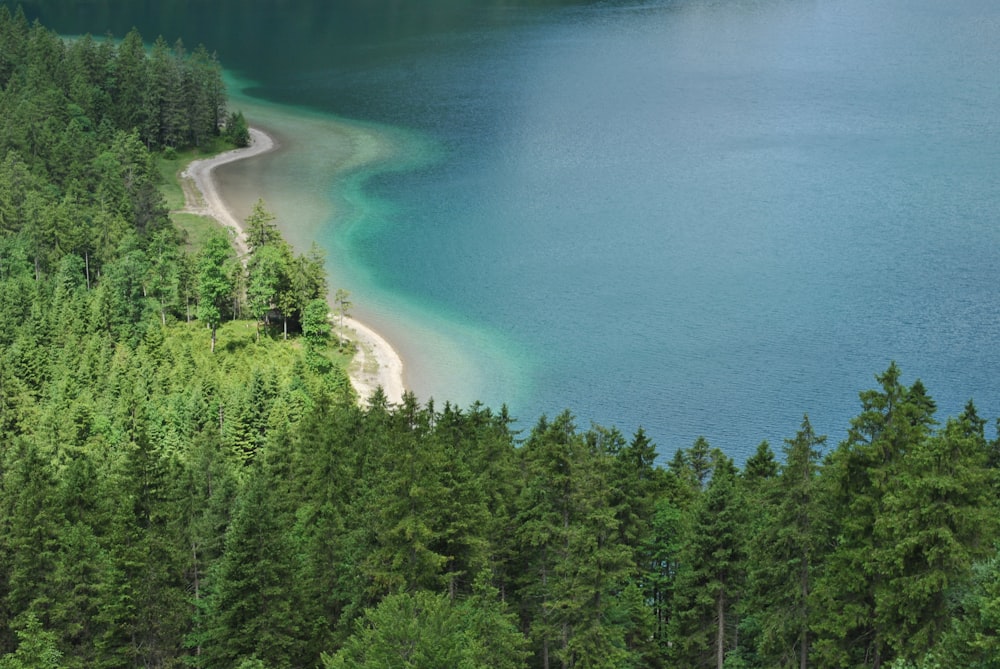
(187,479)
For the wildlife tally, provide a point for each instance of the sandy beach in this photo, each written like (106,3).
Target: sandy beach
(376,362)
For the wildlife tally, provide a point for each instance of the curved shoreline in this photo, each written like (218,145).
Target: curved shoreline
(376,362)
(199,172)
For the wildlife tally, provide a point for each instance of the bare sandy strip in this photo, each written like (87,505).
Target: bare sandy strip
(376,363)
(199,173)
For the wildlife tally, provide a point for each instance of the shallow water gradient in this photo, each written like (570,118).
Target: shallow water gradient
(705,218)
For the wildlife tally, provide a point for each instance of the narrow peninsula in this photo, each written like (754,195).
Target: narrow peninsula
(376,363)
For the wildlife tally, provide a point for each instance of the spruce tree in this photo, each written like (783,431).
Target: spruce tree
(859,481)
(253,608)
(572,563)
(938,519)
(710,577)
(784,555)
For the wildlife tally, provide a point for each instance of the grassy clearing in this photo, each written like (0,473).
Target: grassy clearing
(170,164)
(170,180)
(237,347)
(239,354)
(195,229)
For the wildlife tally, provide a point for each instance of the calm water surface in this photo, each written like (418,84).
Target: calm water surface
(702,217)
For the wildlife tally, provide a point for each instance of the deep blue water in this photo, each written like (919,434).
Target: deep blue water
(702,217)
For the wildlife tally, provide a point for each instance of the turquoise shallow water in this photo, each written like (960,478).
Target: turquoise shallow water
(320,198)
(701,217)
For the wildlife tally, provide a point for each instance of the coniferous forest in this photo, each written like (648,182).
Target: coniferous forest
(187,479)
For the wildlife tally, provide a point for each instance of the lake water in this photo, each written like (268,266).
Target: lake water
(698,216)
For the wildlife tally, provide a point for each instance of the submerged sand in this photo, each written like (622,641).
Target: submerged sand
(376,363)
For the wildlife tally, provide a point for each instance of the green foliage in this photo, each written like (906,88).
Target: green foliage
(260,228)
(973,637)
(423,630)
(215,282)
(78,120)
(912,509)
(236,509)
(165,503)
(572,564)
(784,554)
(316,321)
(935,519)
(253,608)
(36,648)
(277,281)
(267,280)
(237,130)
(710,579)
(762,465)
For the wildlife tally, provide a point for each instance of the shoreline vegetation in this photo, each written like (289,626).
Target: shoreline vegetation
(376,363)
(163,505)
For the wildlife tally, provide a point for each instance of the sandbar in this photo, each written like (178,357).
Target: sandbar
(376,363)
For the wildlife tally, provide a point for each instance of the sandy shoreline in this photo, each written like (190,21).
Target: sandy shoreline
(376,362)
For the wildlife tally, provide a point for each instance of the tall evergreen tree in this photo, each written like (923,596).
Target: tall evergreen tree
(254,605)
(938,519)
(260,228)
(426,630)
(130,82)
(895,420)
(573,564)
(30,540)
(267,279)
(36,648)
(710,579)
(215,285)
(407,503)
(205,95)
(665,545)
(784,555)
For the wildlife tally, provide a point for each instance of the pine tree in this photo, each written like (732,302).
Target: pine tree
(573,563)
(326,456)
(205,514)
(409,630)
(859,478)
(254,608)
(784,555)
(406,504)
(267,279)
(316,323)
(761,466)
(129,90)
(664,547)
(145,611)
(29,546)
(484,443)
(36,648)
(205,96)
(710,579)
(164,272)
(938,519)
(972,639)
(237,129)
(260,228)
